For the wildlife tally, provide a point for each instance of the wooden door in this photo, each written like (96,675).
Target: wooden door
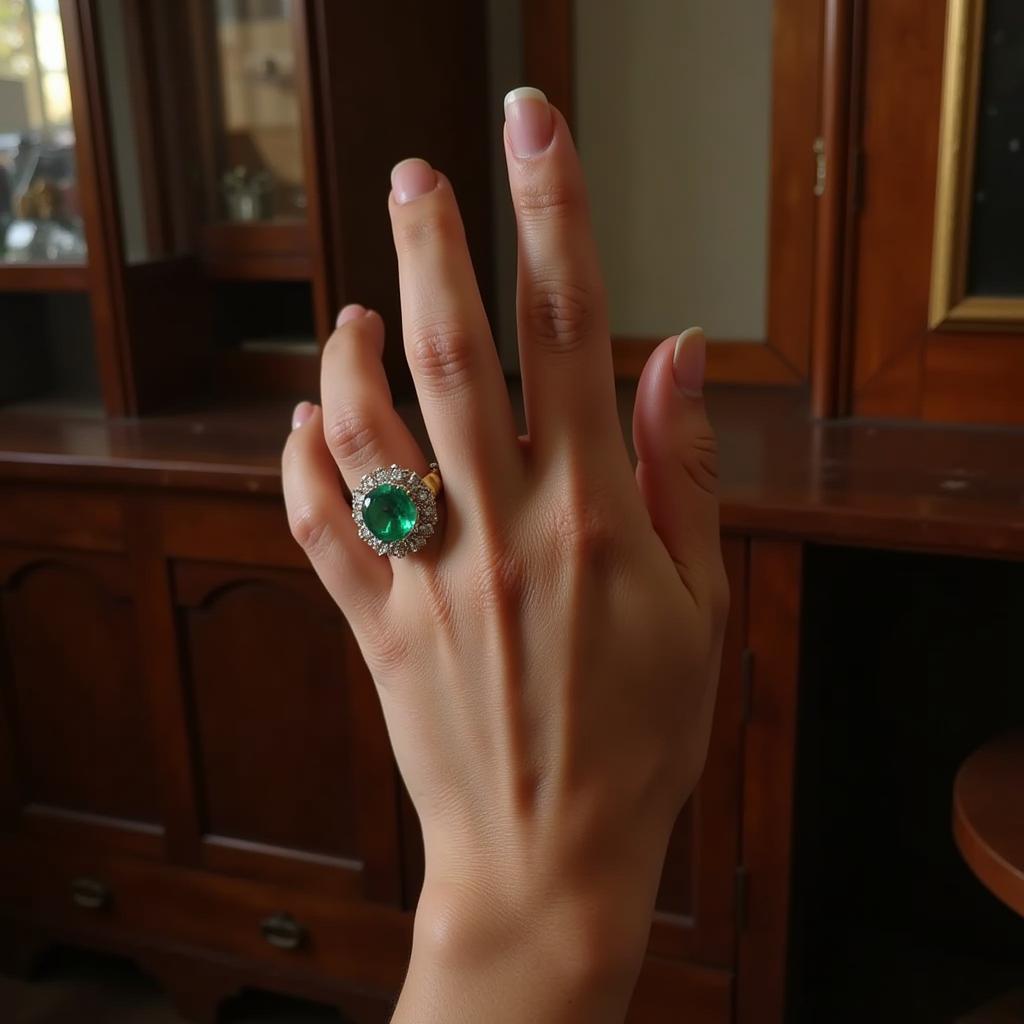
(292,779)
(905,362)
(75,737)
(284,720)
(293,776)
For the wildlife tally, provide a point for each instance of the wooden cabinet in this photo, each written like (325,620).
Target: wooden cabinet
(233,792)
(908,360)
(296,777)
(83,732)
(132,280)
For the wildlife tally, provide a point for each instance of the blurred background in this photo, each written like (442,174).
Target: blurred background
(200,819)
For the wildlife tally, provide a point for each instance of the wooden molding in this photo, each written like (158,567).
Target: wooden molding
(44,277)
(548,31)
(984,312)
(960,78)
(774,597)
(833,214)
(729,362)
(949,306)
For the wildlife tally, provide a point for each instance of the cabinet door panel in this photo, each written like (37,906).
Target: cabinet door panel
(77,712)
(287,731)
(668,992)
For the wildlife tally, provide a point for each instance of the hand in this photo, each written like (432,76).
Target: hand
(547,665)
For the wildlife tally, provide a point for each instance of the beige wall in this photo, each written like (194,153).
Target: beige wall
(673,121)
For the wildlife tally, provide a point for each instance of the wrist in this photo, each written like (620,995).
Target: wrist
(572,957)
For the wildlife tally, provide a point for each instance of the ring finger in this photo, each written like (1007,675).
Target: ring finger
(361,426)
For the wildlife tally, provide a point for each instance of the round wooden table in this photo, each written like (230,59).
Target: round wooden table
(988,817)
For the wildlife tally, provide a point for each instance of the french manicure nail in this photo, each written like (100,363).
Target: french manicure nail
(350,312)
(411,179)
(302,413)
(688,362)
(530,124)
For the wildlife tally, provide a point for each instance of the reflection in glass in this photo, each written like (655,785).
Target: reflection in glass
(261,175)
(40,220)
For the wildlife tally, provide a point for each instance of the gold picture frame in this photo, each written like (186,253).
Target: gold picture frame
(950,307)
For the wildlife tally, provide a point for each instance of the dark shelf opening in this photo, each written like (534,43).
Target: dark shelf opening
(272,316)
(265,341)
(47,354)
(912,663)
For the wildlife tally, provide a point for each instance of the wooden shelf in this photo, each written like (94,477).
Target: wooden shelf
(268,251)
(783,475)
(44,277)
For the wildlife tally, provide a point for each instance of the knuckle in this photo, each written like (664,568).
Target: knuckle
(560,315)
(435,226)
(443,354)
(386,648)
(352,437)
(309,526)
(548,201)
(700,462)
(586,532)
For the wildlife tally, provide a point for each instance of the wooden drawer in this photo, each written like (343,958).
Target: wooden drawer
(127,904)
(243,531)
(354,943)
(54,517)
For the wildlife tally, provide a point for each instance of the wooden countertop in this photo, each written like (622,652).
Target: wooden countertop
(943,489)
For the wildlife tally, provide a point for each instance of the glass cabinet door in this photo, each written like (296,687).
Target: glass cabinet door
(255,167)
(40,216)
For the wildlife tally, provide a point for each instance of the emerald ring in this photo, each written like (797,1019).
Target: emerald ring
(395,509)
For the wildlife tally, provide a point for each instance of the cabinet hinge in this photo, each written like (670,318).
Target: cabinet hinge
(820,167)
(747,684)
(742,885)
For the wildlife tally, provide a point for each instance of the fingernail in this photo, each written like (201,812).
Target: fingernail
(411,179)
(530,124)
(350,312)
(688,362)
(302,413)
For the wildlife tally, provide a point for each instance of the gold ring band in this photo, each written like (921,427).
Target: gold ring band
(432,481)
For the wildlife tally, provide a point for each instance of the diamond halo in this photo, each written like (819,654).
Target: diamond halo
(420,495)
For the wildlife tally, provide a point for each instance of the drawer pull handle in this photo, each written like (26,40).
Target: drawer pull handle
(282,931)
(90,893)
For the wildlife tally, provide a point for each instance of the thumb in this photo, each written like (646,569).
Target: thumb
(677,467)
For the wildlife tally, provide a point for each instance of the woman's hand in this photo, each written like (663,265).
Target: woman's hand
(547,665)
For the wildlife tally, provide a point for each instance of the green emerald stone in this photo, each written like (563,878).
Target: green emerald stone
(389,513)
